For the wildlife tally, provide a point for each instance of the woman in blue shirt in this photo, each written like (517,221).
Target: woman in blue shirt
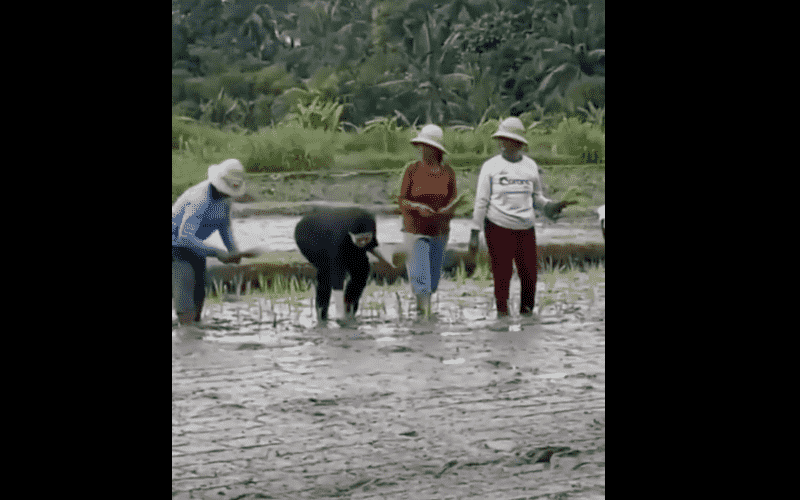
(198,212)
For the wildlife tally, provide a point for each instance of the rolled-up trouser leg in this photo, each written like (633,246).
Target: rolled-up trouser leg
(188,283)
(418,263)
(183,286)
(199,289)
(437,246)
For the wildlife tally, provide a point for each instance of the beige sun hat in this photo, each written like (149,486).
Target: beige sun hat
(511,128)
(431,135)
(228,177)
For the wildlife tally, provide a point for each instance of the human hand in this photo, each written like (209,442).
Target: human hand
(563,204)
(381,259)
(228,258)
(425,211)
(249,254)
(473,241)
(450,208)
(553,210)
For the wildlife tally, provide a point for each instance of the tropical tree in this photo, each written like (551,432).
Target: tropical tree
(427,84)
(574,63)
(325,33)
(548,52)
(444,62)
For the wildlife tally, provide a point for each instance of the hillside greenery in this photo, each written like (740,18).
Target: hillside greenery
(245,65)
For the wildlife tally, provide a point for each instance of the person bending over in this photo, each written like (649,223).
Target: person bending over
(336,241)
(196,214)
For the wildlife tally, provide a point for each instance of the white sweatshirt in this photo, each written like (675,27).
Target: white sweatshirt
(506,193)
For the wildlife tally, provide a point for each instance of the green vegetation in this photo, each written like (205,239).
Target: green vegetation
(333,64)
(342,85)
(384,146)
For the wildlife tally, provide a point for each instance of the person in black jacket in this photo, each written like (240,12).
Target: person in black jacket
(335,241)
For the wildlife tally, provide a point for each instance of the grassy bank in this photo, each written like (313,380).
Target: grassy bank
(289,194)
(289,164)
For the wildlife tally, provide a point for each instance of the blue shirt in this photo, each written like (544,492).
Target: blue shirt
(196,214)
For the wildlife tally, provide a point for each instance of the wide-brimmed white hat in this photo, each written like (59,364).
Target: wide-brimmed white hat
(511,128)
(228,177)
(431,135)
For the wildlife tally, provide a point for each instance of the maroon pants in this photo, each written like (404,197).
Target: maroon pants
(506,245)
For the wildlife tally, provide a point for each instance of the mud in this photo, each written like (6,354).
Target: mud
(270,405)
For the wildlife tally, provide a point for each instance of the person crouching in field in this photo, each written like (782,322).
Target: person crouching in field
(197,213)
(508,187)
(427,201)
(335,241)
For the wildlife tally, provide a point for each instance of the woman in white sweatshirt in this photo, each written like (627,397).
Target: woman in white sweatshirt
(508,188)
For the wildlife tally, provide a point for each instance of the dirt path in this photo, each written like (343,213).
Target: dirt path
(466,407)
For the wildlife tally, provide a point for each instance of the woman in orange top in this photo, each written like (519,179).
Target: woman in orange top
(427,201)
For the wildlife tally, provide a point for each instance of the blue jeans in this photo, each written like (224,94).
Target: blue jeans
(424,261)
(188,281)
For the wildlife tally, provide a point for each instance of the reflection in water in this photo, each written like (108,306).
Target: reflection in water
(276,233)
(283,332)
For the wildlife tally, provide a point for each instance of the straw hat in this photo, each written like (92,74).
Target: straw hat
(228,177)
(431,135)
(511,128)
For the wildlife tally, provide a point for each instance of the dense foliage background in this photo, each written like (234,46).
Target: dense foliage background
(342,64)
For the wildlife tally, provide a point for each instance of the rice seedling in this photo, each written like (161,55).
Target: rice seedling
(375,308)
(571,295)
(545,300)
(461,273)
(596,274)
(399,305)
(238,281)
(549,279)
(482,272)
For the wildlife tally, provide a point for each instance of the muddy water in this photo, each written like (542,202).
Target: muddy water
(271,405)
(276,233)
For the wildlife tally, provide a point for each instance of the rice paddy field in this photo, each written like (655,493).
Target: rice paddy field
(271,404)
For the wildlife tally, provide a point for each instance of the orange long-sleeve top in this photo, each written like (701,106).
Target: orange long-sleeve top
(436,190)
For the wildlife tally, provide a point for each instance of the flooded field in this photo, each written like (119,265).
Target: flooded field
(276,233)
(272,405)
